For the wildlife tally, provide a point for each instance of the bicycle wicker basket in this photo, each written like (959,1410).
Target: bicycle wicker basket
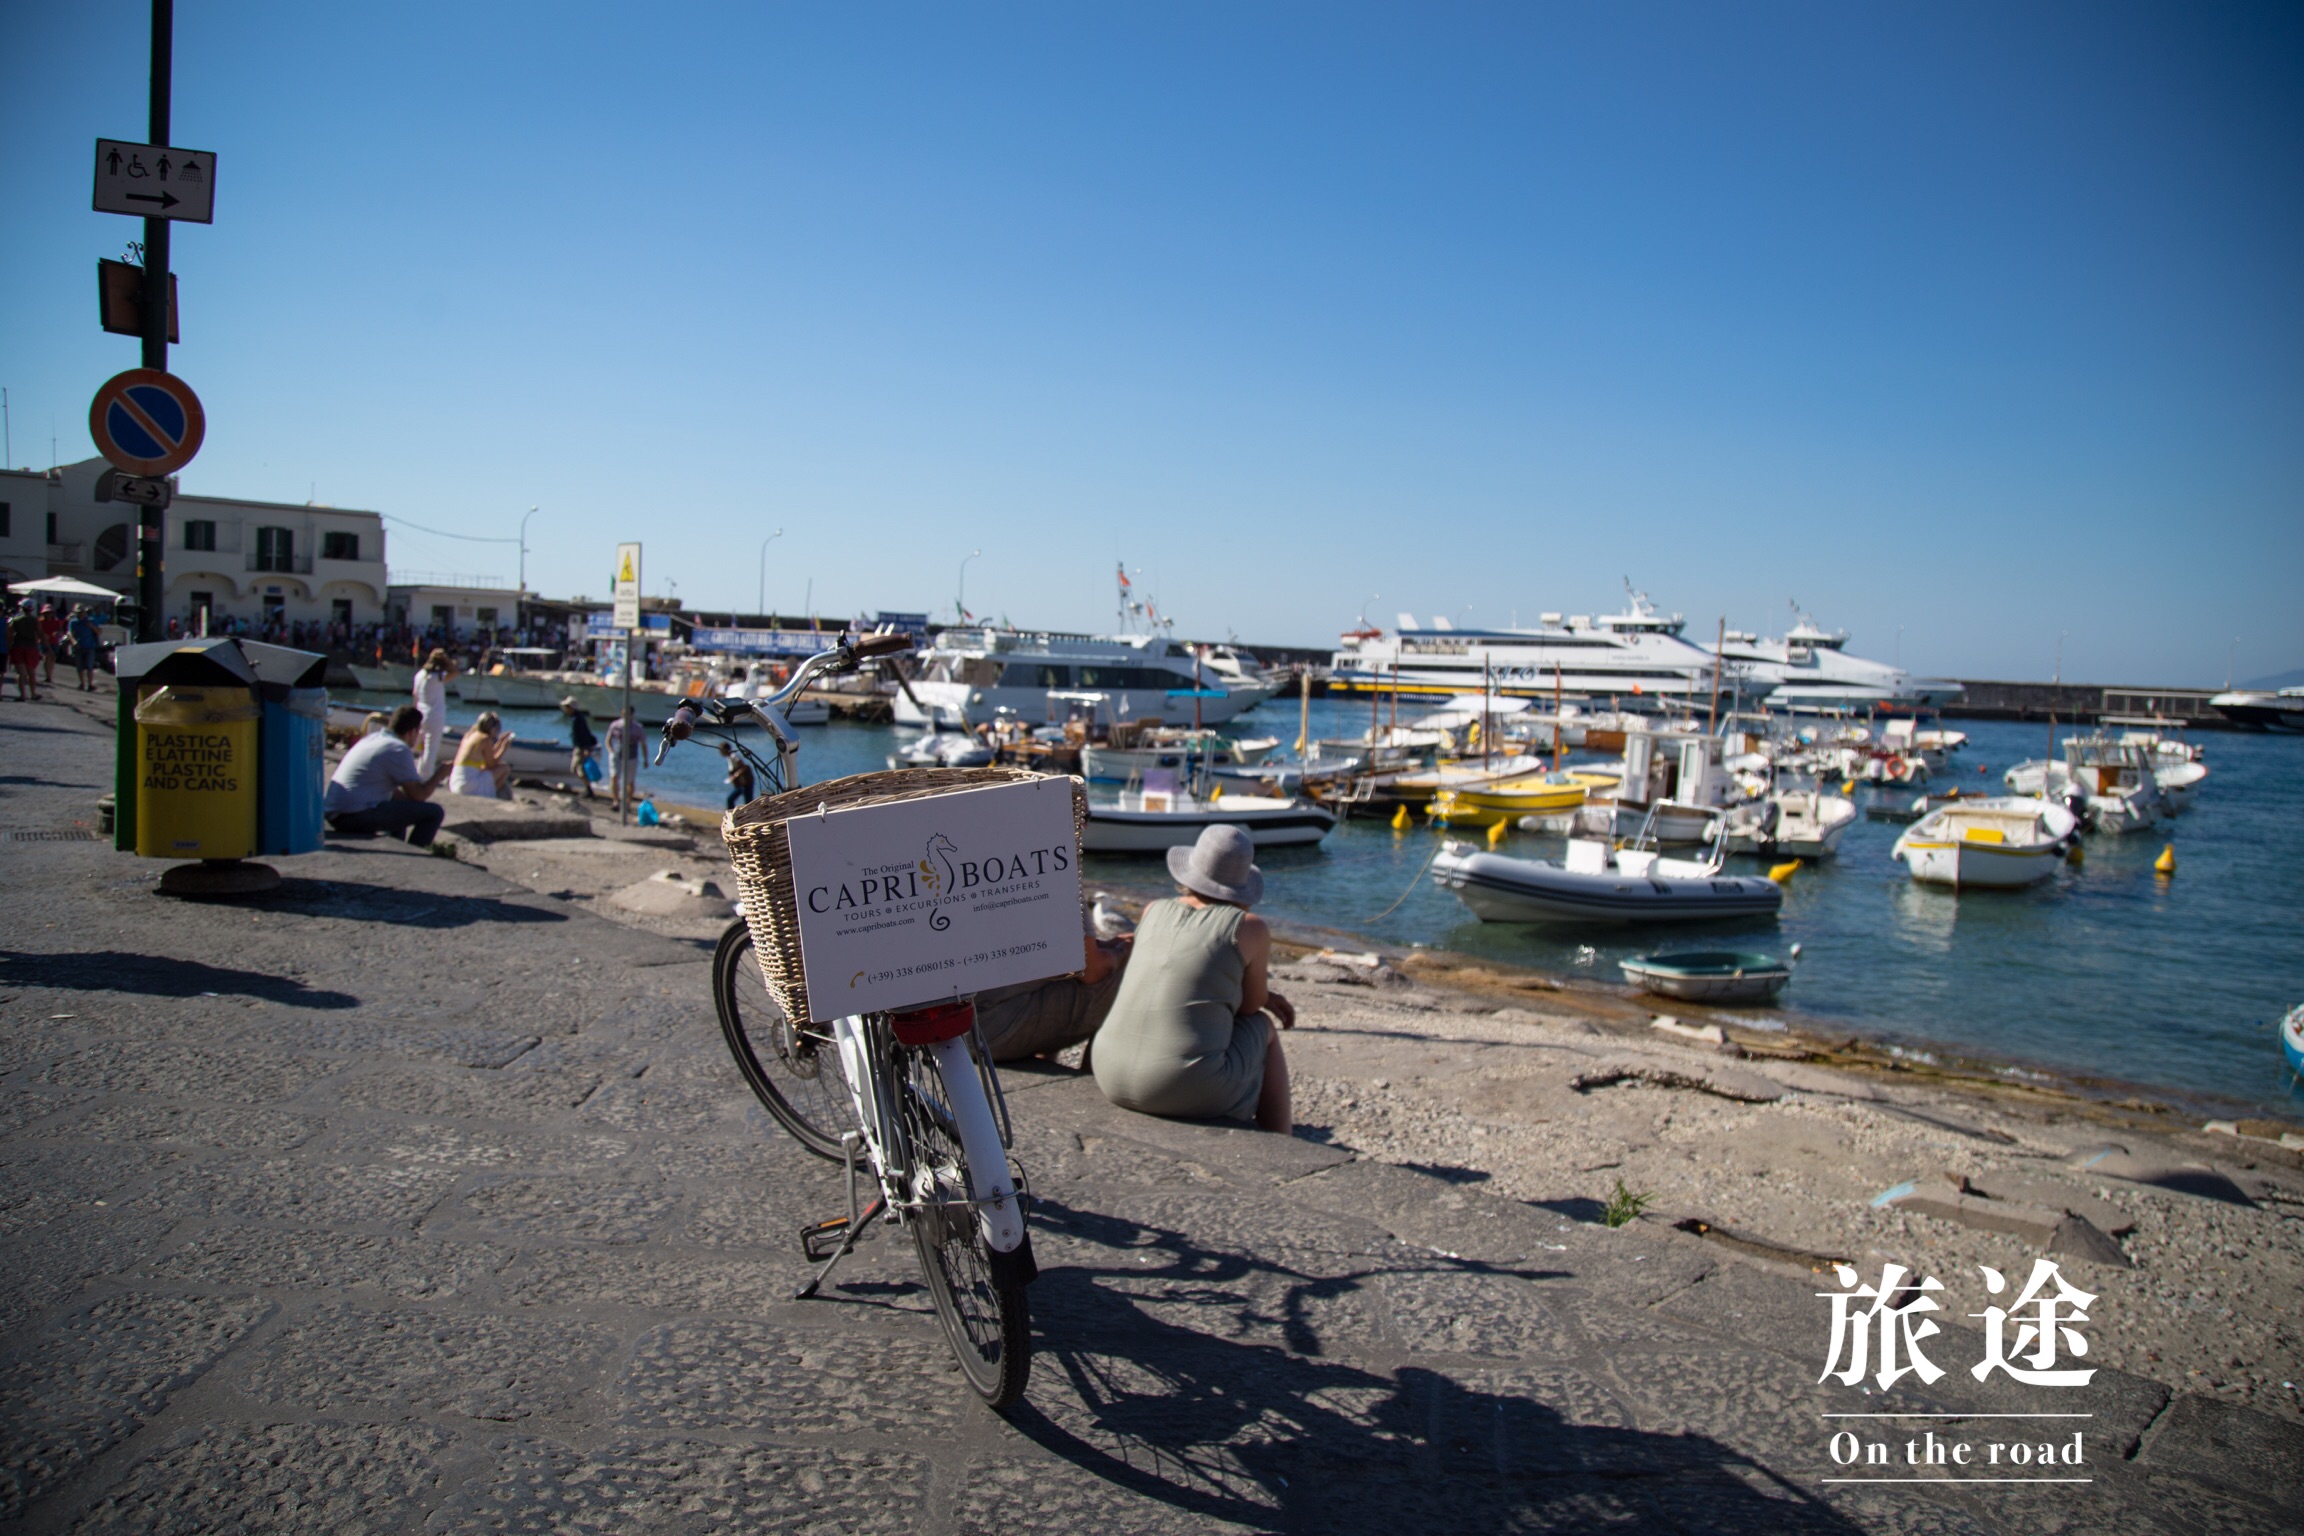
(761,852)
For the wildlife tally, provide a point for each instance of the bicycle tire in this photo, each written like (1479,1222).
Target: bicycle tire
(795,1073)
(988,1325)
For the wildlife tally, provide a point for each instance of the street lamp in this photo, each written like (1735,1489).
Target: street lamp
(2060,639)
(1364,602)
(531,512)
(761,607)
(960,598)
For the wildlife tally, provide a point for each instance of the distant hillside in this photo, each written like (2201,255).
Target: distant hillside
(2293,678)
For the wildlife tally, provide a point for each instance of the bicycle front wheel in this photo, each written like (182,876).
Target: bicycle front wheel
(987,1323)
(793,1070)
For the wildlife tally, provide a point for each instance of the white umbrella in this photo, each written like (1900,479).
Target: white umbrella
(64,586)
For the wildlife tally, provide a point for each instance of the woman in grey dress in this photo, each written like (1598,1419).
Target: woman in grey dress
(1192,1033)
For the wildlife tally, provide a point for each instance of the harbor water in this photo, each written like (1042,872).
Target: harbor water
(2108,970)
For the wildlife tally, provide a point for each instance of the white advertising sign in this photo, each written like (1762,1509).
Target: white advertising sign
(627,609)
(926,900)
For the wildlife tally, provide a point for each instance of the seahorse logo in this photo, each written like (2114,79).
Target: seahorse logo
(937,873)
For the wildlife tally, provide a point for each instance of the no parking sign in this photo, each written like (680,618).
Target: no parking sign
(147,421)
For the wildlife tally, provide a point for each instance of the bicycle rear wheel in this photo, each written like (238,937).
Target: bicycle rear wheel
(987,1323)
(794,1071)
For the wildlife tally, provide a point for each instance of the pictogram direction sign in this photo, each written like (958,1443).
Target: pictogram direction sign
(147,422)
(153,181)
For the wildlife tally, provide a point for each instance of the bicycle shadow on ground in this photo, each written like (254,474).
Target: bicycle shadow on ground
(112,970)
(1276,1437)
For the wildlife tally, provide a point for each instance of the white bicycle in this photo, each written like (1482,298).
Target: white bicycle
(909,1100)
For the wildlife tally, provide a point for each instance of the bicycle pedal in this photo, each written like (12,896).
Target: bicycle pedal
(822,1239)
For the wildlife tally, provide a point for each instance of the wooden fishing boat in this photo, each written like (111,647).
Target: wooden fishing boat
(1709,976)
(1800,823)
(2003,842)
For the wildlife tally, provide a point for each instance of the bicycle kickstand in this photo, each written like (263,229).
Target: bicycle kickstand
(850,1228)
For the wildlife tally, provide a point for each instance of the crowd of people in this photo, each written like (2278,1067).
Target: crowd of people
(40,635)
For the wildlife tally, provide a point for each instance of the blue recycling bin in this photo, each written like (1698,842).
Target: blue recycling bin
(293,768)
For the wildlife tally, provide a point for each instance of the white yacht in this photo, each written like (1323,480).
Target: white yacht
(1811,670)
(974,675)
(1635,654)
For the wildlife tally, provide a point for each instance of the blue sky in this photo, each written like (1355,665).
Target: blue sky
(1966,325)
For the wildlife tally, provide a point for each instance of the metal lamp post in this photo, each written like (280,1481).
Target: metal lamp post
(960,598)
(761,606)
(523,614)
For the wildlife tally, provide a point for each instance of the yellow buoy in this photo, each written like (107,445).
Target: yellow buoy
(1215,793)
(1847,786)
(1782,873)
(2166,863)
(1400,822)
(2074,857)
(1495,833)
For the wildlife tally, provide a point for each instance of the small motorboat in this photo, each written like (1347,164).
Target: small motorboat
(1709,976)
(2292,1040)
(2004,842)
(943,749)
(2115,785)
(1595,883)
(1485,806)
(1153,820)
(1802,823)
(1179,751)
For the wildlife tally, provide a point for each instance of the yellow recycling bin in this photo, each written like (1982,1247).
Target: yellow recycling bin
(196,772)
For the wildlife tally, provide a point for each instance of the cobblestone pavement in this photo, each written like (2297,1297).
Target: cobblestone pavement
(406,1199)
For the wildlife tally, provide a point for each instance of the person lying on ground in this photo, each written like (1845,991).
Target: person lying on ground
(1193,1032)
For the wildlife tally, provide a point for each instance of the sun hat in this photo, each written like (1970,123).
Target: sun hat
(568,704)
(1221,864)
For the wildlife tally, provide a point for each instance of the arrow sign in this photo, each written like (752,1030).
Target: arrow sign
(155,181)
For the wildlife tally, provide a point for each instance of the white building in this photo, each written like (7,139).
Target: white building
(252,560)
(460,606)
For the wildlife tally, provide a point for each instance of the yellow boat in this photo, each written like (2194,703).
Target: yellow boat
(1506,803)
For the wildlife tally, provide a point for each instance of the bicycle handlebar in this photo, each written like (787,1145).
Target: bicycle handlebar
(841,658)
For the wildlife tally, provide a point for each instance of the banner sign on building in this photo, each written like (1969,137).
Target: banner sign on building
(762,642)
(927,900)
(901,623)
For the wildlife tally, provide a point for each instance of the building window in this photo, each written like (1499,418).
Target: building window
(275,608)
(276,549)
(339,546)
(487,616)
(52,528)
(3,520)
(111,546)
(200,533)
(203,604)
(443,617)
(340,612)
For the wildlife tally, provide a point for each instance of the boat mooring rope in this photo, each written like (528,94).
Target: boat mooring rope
(1412,884)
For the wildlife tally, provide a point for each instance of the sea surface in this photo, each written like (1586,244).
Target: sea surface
(2107,970)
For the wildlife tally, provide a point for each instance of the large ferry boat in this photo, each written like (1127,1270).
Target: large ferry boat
(974,675)
(1636,654)
(1810,669)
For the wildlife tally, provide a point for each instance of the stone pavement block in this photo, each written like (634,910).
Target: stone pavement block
(420,1269)
(347,1480)
(353,1359)
(1215,1220)
(441,1145)
(765,1212)
(1764,1407)
(746,1377)
(299,1193)
(75,1389)
(572,1206)
(662,1108)
(1448,1309)
(48,1265)
(28,1105)
(468,1095)
(1306,1303)
(733,1287)
(2239,1447)
(460,1045)
(199,1125)
(629,1485)
(1048,1496)
(38,1184)
(1421,1208)
(1520,1422)
(242,1075)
